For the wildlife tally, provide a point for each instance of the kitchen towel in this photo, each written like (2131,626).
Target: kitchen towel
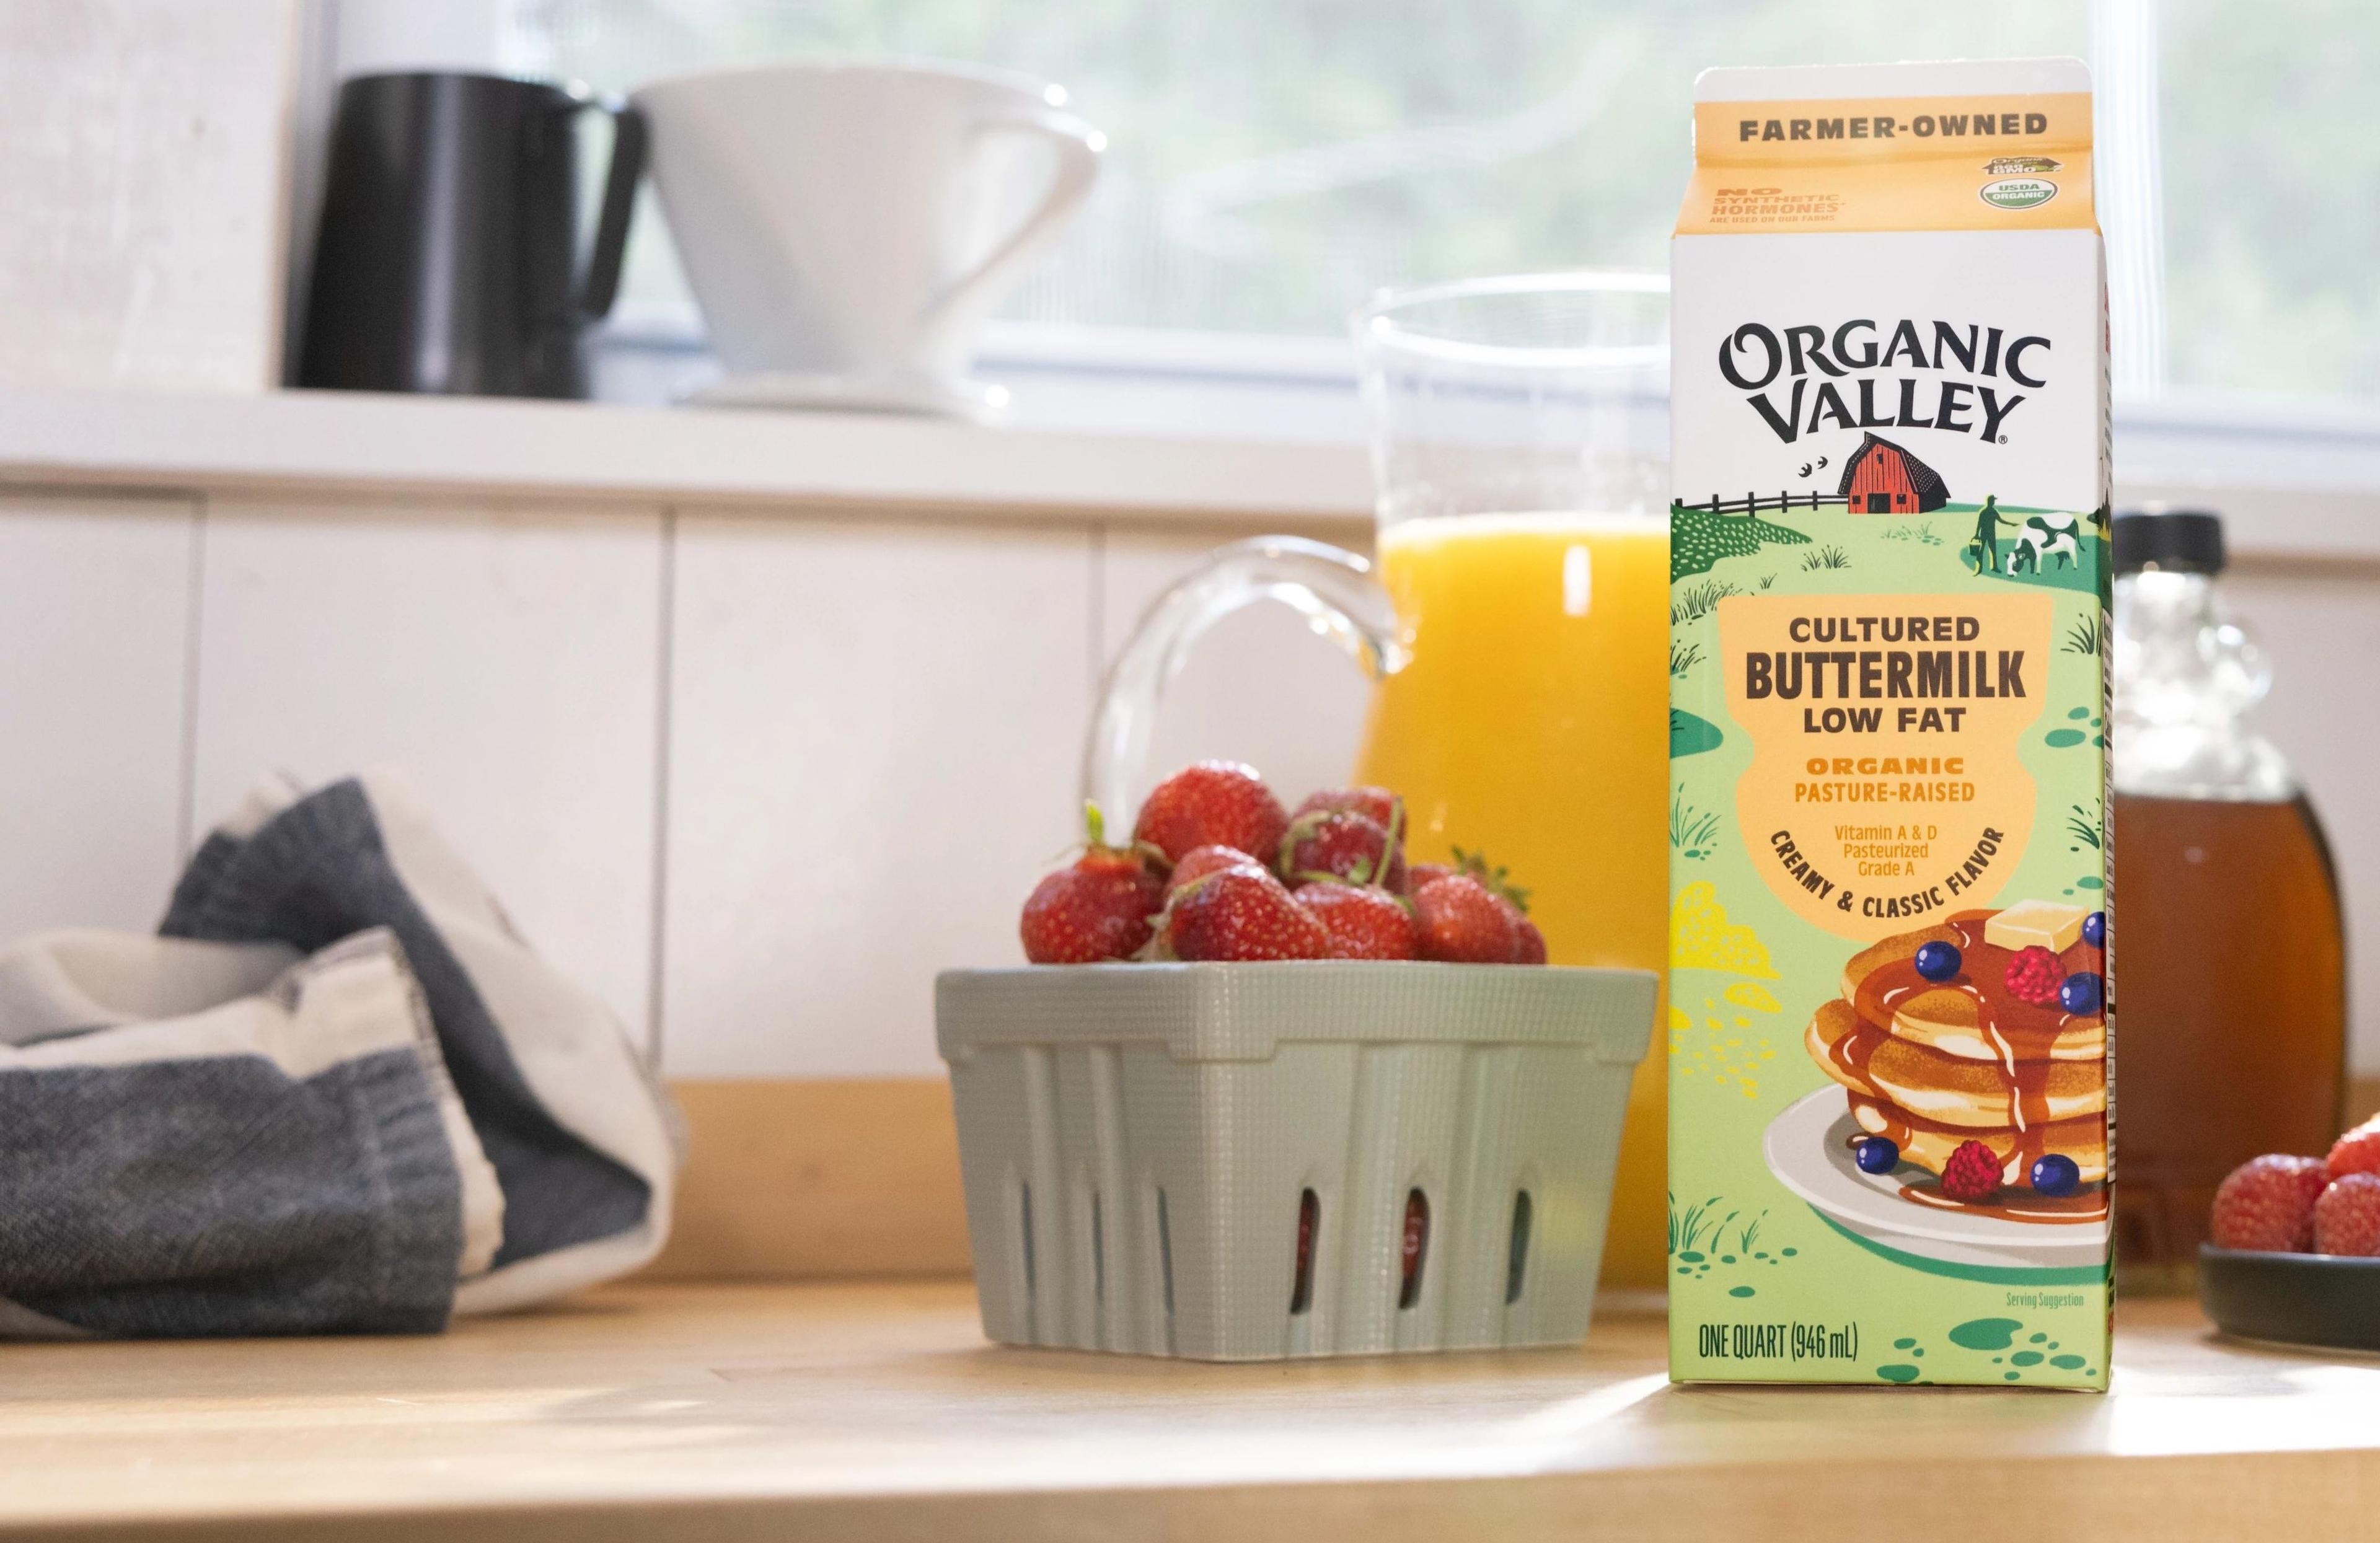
(339,1093)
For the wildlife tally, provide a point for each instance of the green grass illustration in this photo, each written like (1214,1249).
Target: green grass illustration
(1830,556)
(2083,827)
(1682,660)
(1699,538)
(1698,1222)
(1692,830)
(1697,600)
(2082,637)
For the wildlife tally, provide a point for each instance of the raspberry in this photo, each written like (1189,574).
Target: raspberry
(2034,976)
(2358,1151)
(2346,1218)
(1972,1173)
(2267,1203)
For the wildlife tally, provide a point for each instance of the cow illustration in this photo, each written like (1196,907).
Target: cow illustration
(2041,536)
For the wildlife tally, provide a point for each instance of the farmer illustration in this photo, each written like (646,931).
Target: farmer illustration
(1986,545)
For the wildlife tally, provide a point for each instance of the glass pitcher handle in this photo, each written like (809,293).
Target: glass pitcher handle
(1334,588)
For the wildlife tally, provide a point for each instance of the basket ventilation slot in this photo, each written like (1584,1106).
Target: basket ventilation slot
(1516,1263)
(1309,1224)
(1414,1249)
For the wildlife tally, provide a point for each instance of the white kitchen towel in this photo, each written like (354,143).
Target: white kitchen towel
(340,1093)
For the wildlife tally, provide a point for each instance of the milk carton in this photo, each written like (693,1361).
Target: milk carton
(1891,1115)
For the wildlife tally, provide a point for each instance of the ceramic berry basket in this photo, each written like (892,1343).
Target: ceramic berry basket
(1253,1162)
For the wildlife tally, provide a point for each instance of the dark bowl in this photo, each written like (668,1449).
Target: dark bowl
(2295,1299)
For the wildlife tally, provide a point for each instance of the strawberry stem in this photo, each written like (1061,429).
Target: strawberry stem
(1396,823)
(1495,880)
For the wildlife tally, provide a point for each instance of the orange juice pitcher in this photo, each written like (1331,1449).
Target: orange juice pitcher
(1515,618)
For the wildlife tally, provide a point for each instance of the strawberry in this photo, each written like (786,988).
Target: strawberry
(1199,861)
(1972,1173)
(1213,803)
(2358,1151)
(1343,844)
(1243,912)
(1463,923)
(2269,1203)
(1363,923)
(2347,1217)
(1098,908)
(1528,944)
(1419,874)
(1374,804)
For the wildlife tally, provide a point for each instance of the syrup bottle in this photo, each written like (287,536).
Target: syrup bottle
(2232,1025)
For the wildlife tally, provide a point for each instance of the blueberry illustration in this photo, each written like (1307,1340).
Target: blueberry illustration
(2080,993)
(1939,961)
(1876,1154)
(2056,1174)
(2095,930)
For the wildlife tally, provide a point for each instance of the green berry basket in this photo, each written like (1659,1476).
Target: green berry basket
(1253,1162)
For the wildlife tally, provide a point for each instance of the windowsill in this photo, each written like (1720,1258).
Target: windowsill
(2296,486)
(346,441)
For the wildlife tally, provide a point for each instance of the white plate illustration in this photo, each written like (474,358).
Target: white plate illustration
(1808,1147)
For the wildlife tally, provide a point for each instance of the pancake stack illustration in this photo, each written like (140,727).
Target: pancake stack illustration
(1987,1028)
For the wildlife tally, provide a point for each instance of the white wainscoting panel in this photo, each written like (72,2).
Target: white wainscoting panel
(875,728)
(1262,687)
(505,662)
(94,627)
(2323,633)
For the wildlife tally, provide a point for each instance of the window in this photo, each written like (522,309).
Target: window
(1270,164)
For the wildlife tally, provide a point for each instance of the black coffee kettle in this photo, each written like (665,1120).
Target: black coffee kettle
(445,258)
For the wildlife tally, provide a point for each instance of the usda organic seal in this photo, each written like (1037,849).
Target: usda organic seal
(2018,192)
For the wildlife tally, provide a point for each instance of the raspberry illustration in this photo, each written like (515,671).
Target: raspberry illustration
(2267,1203)
(2034,976)
(2346,1218)
(1972,1173)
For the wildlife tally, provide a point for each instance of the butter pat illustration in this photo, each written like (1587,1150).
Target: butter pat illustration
(2036,924)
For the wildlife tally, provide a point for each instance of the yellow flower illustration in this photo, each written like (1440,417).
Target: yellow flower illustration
(1702,938)
(1745,993)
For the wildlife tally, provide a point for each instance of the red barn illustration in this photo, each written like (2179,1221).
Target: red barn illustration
(1883,478)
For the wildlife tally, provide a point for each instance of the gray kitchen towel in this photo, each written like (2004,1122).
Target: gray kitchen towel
(339,1094)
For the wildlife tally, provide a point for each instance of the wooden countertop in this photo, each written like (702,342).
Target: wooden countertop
(877,1412)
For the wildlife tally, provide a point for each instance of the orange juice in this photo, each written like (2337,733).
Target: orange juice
(1532,725)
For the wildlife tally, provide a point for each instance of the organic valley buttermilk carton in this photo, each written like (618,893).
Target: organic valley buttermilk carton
(1891,1116)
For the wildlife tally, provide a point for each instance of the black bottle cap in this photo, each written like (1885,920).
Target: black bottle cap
(2178,540)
